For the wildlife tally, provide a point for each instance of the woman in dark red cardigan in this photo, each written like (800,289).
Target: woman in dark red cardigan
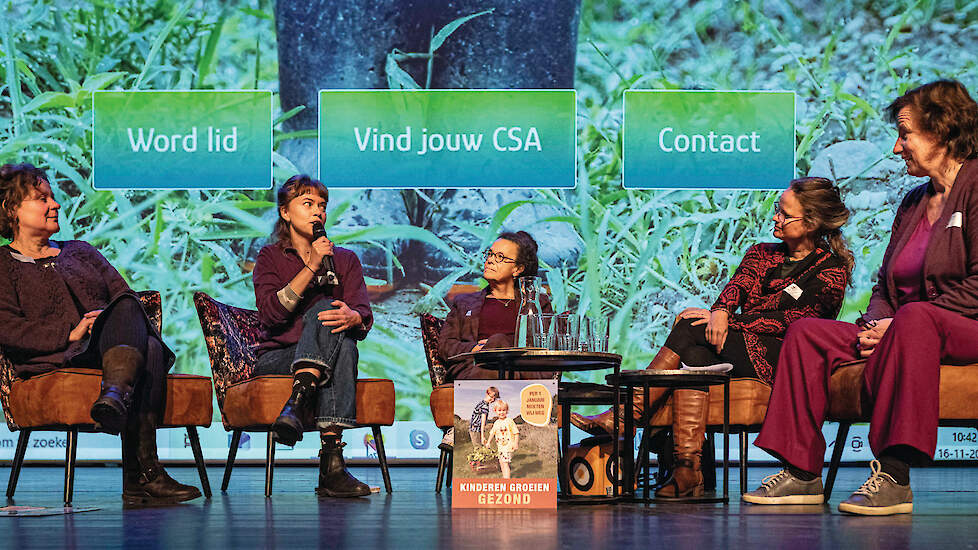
(63,305)
(923,311)
(486,319)
(776,284)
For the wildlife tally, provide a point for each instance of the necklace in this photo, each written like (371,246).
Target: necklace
(504,301)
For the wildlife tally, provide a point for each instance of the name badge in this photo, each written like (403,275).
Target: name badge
(956,220)
(794,291)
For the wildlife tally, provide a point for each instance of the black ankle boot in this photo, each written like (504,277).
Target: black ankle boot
(288,426)
(334,479)
(120,365)
(145,482)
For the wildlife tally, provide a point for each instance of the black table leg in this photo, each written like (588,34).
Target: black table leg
(616,491)
(726,437)
(626,457)
(563,476)
(646,416)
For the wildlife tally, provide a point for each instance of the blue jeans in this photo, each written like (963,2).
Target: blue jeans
(335,354)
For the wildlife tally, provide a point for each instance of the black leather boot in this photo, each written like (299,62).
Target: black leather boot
(334,479)
(120,366)
(145,482)
(288,426)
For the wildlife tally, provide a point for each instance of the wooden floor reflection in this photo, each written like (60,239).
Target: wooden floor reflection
(415,518)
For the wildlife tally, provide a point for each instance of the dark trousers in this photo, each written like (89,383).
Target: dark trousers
(335,355)
(902,379)
(690,344)
(124,323)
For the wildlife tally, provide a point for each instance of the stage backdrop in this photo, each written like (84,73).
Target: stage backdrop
(640,255)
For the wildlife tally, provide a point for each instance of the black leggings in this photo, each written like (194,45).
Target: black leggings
(124,323)
(690,344)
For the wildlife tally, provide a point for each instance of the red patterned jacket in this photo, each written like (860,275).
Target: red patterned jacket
(768,304)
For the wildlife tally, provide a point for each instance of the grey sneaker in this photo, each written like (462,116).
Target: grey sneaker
(448,441)
(784,488)
(881,495)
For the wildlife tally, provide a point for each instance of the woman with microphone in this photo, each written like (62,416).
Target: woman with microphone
(313,307)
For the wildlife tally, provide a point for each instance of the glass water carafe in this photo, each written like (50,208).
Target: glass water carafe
(529,329)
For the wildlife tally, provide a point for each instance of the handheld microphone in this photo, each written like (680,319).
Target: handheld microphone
(319,231)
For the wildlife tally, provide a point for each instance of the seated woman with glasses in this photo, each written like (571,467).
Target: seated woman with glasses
(805,275)
(487,319)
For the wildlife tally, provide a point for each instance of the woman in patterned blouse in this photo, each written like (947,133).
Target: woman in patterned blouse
(805,275)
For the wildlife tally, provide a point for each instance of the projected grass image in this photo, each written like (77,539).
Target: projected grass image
(639,255)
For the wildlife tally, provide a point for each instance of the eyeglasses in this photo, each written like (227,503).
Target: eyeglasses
(497,257)
(785,220)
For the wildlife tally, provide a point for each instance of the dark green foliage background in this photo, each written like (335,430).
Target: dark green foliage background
(644,255)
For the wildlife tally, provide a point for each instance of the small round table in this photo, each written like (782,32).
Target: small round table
(631,380)
(510,361)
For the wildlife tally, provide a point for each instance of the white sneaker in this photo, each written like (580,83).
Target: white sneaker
(880,495)
(784,488)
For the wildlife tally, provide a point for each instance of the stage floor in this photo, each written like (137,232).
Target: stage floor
(945,517)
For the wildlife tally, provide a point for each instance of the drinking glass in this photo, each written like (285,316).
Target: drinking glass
(566,332)
(595,333)
(547,335)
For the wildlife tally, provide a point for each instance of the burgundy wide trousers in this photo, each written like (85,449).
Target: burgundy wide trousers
(902,379)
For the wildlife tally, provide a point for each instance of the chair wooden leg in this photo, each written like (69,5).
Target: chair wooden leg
(205,483)
(442,465)
(269,464)
(743,461)
(382,458)
(840,443)
(232,452)
(71,451)
(451,466)
(25,436)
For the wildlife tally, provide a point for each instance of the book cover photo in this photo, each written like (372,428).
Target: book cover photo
(505,452)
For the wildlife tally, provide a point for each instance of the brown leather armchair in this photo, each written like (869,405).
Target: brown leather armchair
(27,407)
(252,403)
(442,398)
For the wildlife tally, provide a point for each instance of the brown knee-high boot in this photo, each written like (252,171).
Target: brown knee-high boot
(603,424)
(689,416)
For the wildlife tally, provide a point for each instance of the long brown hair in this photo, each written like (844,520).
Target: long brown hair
(296,186)
(824,210)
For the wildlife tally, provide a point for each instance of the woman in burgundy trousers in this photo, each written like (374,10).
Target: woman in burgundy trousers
(922,312)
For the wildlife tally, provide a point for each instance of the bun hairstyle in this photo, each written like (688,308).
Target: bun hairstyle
(16,183)
(824,211)
(296,186)
(527,255)
(944,109)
